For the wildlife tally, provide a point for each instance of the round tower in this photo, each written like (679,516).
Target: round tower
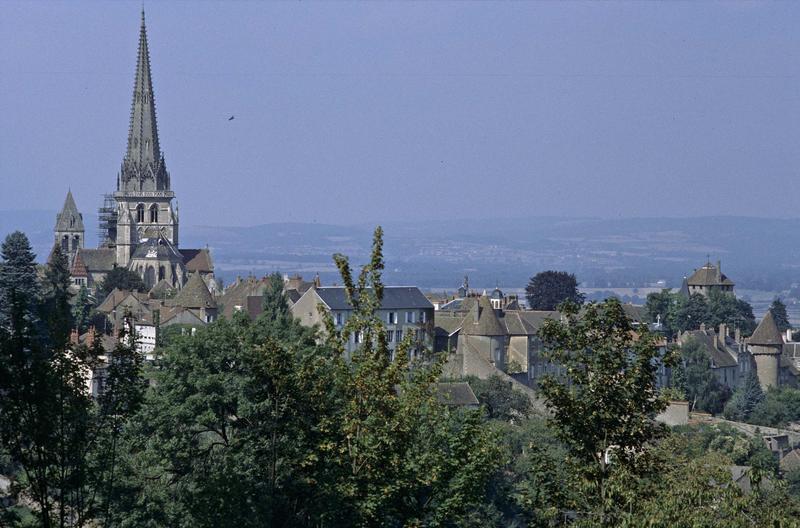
(766,346)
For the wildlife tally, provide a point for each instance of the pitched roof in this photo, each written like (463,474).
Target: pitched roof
(156,246)
(69,219)
(78,267)
(766,332)
(446,324)
(194,294)
(488,324)
(102,259)
(791,460)
(394,298)
(709,275)
(238,292)
(161,290)
(197,260)
(459,394)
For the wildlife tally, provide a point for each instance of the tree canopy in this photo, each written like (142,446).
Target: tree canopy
(547,289)
(121,278)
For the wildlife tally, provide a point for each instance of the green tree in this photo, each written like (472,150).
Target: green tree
(688,313)
(500,399)
(82,309)
(658,307)
(547,289)
(745,398)
(275,306)
(701,386)
(724,307)
(780,406)
(120,278)
(778,310)
(606,404)
(57,297)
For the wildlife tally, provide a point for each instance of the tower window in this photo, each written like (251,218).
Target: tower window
(65,243)
(154,214)
(140,213)
(76,241)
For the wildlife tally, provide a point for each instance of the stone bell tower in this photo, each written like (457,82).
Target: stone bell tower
(69,231)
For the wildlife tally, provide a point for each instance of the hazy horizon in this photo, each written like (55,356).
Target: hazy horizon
(354,113)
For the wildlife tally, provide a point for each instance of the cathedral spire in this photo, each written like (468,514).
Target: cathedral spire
(143,165)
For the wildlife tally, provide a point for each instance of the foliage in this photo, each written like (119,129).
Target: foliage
(122,279)
(778,310)
(82,309)
(679,313)
(606,406)
(547,289)
(694,377)
(499,398)
(745,398)
(779,407)
(275,305)
(698,440)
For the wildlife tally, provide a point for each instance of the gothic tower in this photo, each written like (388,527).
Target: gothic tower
(69,232)
(143,196)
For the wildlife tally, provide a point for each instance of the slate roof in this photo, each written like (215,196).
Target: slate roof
(720,355)
(488,323)
(156,246)
(194,294)
(459,394)
(709,275)
(102,259)
(116,296)
(453,306)
(69,219)
(394,298)
(197,260)
(446,324)
(766,332)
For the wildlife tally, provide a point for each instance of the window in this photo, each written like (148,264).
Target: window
(399,335)
(421,317)
(65,243)
(154,214)
(76,242)
(409,317)
(391,318)
(339,319)
(140,213)
(390,336)
(356,337)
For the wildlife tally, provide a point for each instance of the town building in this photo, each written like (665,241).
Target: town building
(404,311)
(706,279)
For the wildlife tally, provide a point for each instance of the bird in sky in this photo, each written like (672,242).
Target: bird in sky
(231,118)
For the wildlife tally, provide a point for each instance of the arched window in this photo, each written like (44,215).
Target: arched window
(76,242)
(154,214)
(160,273)
(150,277)
(140,213)
(65,243)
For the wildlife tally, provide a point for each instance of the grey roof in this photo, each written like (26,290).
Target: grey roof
(497,294)
(197,260)
(161,290)
(459,394)
(102,259)
(394,298)
(720,355)
(195,294)
(488,324)
(447,323)
(69,219)
(709,275)
(766,332)
(156,246)
(454,305)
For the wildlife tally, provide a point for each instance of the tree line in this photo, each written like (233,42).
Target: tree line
(268,423)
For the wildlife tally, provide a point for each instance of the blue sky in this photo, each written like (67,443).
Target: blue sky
(377,112)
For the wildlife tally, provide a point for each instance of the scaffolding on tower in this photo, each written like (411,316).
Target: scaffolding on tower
(107,219)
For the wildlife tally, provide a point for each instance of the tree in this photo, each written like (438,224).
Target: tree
(697,379)
(658,306)
(57,298)
(275,305)
(82,309)
(604,407)
(500,399)
(688,313)
(745,398)
(778,310)
(120,278)
(780,406)
(547,289)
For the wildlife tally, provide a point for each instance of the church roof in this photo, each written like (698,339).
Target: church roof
(102,259)
(69,219)
(156,246)
(766,332)
(195,294)
(78,267)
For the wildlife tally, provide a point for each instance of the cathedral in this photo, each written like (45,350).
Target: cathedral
(139,221)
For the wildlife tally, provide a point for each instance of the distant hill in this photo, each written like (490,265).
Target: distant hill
(757,253)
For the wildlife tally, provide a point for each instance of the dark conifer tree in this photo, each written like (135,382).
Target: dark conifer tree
(779,314)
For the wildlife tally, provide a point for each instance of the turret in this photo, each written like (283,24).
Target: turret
(766,346)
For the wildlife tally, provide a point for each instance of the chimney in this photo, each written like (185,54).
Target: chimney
(788,335)
(73,337)
(719,271)
(723,332)
(738,335)
(716,341)
(91,335)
